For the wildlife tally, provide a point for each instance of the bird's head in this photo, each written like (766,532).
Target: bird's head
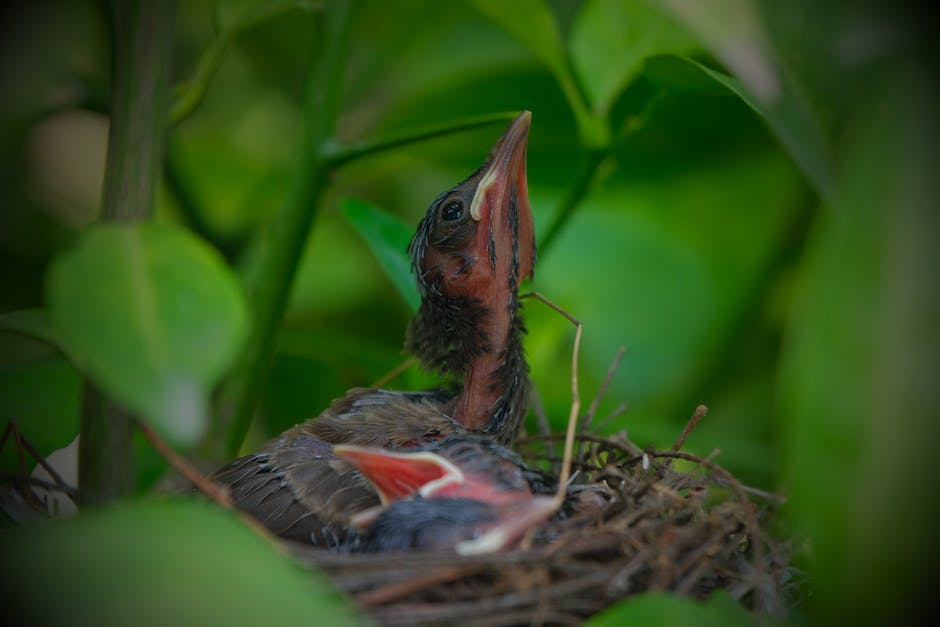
(470,252)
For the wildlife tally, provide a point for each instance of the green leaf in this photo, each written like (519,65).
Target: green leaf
(152,315)
(157,563)
(769,76)
(734,31)
(611,39)
(859,375)
(667,246)
(793,124)
(232,21)
(532,24)
(658,609)
(387,238)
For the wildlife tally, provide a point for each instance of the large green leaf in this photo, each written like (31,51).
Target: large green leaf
(860,371)
(532,23)
(171,562)
(388,238)
(773,59)
(610,40)
(152,315)
(794,125)
(664,610)
(670,278)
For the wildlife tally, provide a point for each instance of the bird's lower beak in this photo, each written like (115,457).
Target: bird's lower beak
(397,475)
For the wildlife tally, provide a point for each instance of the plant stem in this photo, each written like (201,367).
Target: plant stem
(290,231)
(341,155)
(142,41)
(141,59)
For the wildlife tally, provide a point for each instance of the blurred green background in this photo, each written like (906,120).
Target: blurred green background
(751,189)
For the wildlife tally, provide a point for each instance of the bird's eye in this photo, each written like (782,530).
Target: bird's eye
(452,210)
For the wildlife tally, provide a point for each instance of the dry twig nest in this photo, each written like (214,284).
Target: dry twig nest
(632,522)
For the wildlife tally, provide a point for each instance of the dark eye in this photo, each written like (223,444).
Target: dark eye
(452,210)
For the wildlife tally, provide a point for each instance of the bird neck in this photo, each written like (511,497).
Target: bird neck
(482,343)
(494,396)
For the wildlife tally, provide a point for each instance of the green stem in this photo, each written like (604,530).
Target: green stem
(340,155)
(142,42)
(290,231)
(576,193)
(141,59)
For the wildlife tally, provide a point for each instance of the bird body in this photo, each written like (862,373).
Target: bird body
(300,490)
(471,250)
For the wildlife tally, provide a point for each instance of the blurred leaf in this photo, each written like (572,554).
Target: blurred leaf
(531,23)
(231,21)
(43,398)
(793,124)
(734,31)
(33,323)
(657,609)
(742,36)
(152,315)
(158,563)
(388,238)
(675,73)
(611,38)
(670,277)
(858,381)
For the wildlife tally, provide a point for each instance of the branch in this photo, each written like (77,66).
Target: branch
(290,231)
(142,42)
(340,155)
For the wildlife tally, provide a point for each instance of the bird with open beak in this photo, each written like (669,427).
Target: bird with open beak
(470,252)
(465,493)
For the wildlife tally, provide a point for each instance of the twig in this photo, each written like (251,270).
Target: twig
(541,418)
(592,409)
(398,589)
(736,485)
(392,374)
(66,489)
(217,492)
(779,499)
(618,411)
(575,398)
(700,412)
(42,461)
(21,443)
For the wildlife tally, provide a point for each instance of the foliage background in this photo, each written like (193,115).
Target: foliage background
(752,190)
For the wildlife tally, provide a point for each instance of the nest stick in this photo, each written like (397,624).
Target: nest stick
(399,589)
(602,390)
(40,483)
(700,412)
(21,441)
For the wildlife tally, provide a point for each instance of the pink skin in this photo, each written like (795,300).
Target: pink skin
(491,284)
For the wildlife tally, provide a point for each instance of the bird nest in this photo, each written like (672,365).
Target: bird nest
(635,520)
